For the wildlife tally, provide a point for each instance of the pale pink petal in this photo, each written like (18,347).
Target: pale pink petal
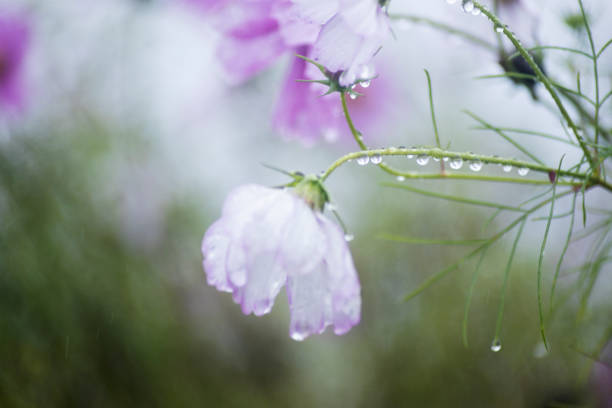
(214,251)
(344,284)
(309,303)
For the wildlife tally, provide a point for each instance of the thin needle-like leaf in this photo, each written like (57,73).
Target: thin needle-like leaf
(421,241)
(452,198)
(466,313)
(563,252)
(433,112)
(502,300)
(541,264)
(433,279)
(506,137)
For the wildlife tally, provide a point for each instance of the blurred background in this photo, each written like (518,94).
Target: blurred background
(127,140)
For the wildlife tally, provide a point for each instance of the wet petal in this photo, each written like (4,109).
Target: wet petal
(344,283)
(303,243)
(309,303)
(214,250)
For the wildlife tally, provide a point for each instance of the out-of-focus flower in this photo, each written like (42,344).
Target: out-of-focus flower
(14,38)
(251,41)
(256,33)
(352,31)
(267,238)
(304,112)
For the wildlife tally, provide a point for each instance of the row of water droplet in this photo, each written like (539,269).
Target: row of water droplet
(455,163)
(469,7)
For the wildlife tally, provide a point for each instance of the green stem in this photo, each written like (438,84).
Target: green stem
(441,154)
(541,76)
(595,73)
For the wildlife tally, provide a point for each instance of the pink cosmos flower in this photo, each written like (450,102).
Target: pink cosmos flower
(14,36)
(256,32)
(267,238)
(352,32)
(303,112)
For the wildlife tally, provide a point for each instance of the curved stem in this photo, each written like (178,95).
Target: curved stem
(442,154)
(541,76)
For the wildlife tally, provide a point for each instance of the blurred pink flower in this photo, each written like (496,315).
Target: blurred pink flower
(256,32)
(352,32)
(267,238)
(14,38)
(303,112)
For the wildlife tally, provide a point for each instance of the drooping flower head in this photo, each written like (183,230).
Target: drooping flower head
(267,238)
(14,36)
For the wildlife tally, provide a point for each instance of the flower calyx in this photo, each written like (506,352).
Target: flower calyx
(338,81)
(311,190)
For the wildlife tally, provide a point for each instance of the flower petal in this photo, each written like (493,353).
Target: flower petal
(303,243)
(344,282)
(309,303)
(214,250)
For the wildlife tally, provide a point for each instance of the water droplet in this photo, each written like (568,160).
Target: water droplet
(363,160)
(367,71)
(445,159)
(365,84)
(522,171)
(353,96)
(476,12)
(422,159)
(376,159)
(297,336)
(456,163)
(400,178)
(507,168)
(436,159)
(499,28)
(496,346)
(331,206)
(402,147)
(349,237)
(476,165)
(410,156)
(539,351)
(392,148)
(467,6)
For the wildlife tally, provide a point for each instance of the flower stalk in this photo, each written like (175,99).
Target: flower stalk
(541,76)
(578,179)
